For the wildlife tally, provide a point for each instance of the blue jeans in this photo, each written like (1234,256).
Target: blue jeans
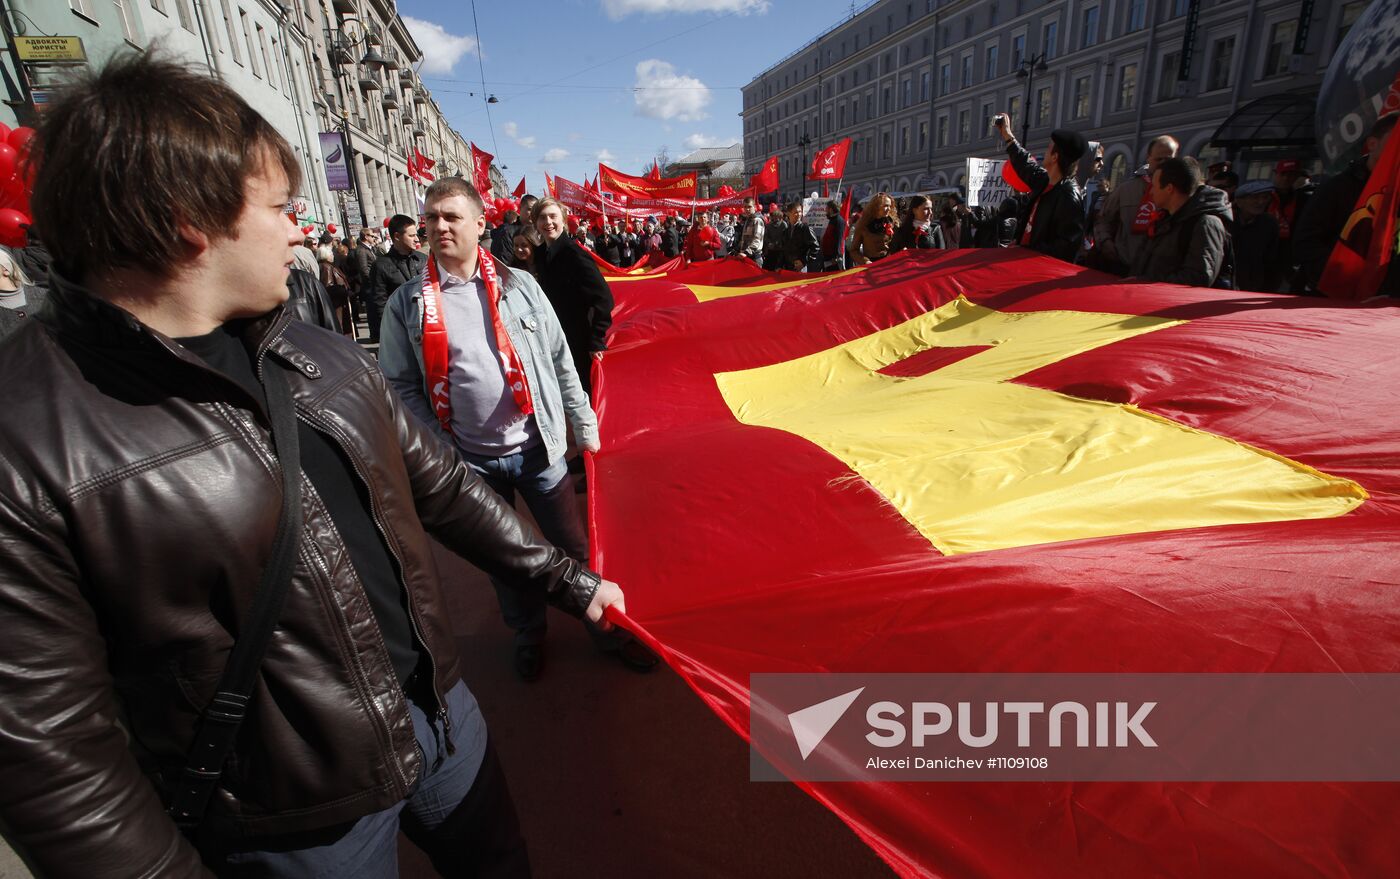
(549,493)
(460,813)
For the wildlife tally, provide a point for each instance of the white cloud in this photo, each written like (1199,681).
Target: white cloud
(700,141)
(553,156)
(441,50)
(512,131)
(617,9)
(661,93)
(607,158)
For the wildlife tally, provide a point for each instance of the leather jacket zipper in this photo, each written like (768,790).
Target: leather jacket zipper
(330,430)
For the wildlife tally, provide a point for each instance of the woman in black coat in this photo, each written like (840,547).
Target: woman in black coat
(917,231)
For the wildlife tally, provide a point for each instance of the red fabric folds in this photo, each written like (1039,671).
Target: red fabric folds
(746,549)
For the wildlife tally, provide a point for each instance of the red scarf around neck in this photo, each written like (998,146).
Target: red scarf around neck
(435,348)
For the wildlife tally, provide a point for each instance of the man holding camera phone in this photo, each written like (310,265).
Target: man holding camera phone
(1052,220)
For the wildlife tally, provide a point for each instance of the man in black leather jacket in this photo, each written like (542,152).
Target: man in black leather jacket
(139,500)
(1052,221)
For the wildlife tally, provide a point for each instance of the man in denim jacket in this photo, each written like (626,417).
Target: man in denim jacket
(514,436)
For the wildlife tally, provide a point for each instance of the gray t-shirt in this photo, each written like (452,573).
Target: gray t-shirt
(485,417)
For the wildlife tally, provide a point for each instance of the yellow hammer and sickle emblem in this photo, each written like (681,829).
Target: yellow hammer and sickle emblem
(975,462)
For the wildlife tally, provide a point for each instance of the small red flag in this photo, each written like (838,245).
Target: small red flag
(481,170)
(830,163)
(655,173)
(766,180)
(519,188)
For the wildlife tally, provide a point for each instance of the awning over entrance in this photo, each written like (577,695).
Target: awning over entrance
(1285,121)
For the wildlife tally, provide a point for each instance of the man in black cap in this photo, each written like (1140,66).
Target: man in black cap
(1053,219)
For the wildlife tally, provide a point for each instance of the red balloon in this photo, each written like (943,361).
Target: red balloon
(330,227)
(19,138)
(1013,179)
(386,222)
(11,227)
(5,132)
(9,161)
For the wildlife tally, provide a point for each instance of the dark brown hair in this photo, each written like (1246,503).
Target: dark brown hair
(1180,173)
(131,152)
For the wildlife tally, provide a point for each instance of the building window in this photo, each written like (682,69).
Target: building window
(1090,34)
(1127,86)
(840,115)
(904,140)
(1043,108)
(1081,97)
(966,71)
(967,27)
(1350,13)
(262,47)
(1137,15)
(1013,108)
(1280,47)
(1051,40)
(923,136)
(828,119)
(991,71)
(992,14)
(248,39)
(1118,170)
(942,131)
(945,78)
(82,7)
(987,113)
(908,94)
(272,68)
(964,126)
(1222,57)
(923,87)
(228,26)
(886,105)
(870,105)
(928,47)
(1166,76)
(1018,50)
(903,55)
(885,145)
(1179,7)
(128,17)
(182,8)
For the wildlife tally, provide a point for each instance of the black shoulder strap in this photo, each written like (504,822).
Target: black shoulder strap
(218,726)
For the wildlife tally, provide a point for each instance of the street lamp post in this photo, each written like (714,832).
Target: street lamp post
(802,171)
(1027,71)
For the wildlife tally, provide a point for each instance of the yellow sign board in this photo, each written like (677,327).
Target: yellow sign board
(50,48)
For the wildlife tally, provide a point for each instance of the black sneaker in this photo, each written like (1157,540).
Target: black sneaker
(529,661)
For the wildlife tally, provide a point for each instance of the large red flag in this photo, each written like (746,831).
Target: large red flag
(766,180)
(481,170)
(992,461)
(1361,257)
(519,189)
(612,180)
(830,163)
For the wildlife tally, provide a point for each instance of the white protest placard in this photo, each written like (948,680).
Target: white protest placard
(814,214)
(985,185)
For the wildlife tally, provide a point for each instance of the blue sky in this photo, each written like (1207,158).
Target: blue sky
(577,79)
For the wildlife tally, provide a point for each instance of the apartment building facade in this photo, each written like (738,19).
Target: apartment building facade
(916,84)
